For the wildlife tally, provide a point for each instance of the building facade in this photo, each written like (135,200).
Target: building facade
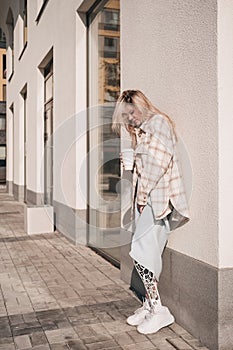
(66,65)
(2,107)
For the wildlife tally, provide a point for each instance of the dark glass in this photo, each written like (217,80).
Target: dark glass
(4,66)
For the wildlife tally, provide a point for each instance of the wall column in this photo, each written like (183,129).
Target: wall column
(225,120)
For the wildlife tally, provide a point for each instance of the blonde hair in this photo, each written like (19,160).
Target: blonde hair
(143,104)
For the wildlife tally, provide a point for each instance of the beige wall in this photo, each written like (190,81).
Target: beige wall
(169,50)
(225,110)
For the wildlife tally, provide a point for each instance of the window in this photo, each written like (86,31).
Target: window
(3,154)
(48,133)
(23,94)
(2,163)
(2,35)
(4,66)
(25,24)
(10,25)
(109,47)
(104,63)
(48,73)
(104,165)
(2,39)
(2,122)
(4,92)
(111,20)
(41,5)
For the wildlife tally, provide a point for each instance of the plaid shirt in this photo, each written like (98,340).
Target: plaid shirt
(157,178)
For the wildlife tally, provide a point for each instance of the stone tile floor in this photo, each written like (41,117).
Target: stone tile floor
(58,296)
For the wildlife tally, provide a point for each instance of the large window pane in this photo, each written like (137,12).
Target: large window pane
(104,166)
(48,132)
(3,152)
(2,123)
(48,88)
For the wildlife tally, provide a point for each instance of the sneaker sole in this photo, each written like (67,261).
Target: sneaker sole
(155,330)
(135,323)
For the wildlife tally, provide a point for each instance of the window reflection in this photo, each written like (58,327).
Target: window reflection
(104,166)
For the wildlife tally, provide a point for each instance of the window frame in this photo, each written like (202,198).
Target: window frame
(41,11)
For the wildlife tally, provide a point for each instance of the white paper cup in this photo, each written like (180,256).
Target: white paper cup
(128,158)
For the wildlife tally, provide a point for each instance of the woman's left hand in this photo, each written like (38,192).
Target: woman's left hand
(140,208)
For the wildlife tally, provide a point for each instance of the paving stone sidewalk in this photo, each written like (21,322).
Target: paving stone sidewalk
(58,296)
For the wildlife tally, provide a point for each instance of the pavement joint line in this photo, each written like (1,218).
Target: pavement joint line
(25,238)
(4,302)
(169,340)
(9,212)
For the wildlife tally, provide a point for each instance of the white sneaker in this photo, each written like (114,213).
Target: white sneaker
(139,315)
(156,319)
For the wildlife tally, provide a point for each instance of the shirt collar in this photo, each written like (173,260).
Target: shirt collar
(145,127)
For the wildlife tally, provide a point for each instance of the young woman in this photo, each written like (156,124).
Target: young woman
(158,199)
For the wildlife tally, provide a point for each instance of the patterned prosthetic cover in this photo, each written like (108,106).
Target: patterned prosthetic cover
(149,282)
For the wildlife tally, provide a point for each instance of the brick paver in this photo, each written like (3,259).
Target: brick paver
(57,296)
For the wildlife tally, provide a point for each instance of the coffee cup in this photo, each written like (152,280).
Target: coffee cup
(128,158)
